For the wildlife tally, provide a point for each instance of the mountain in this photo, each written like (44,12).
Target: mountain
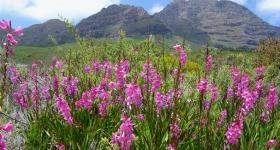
(222,23)
(39,34)
(135,21)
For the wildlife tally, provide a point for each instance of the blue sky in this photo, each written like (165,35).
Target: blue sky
(27,12)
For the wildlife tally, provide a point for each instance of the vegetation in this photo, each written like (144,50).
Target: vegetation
(139,95)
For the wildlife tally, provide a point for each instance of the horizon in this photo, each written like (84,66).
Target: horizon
(29,12)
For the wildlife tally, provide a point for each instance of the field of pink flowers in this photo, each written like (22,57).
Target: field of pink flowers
(149,98)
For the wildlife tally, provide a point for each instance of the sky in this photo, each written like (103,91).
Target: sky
(27,12)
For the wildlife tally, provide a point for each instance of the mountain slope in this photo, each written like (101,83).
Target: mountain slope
(222,23)
(134,20)
(38,35)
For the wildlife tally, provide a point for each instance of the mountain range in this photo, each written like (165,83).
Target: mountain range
(221,23)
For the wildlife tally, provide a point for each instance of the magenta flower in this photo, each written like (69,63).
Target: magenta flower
(209,63)
(270,143)
(259,87)
(2,143)
(183,57)
(107,69)
(58,64)
(156,82)
(235,74)
(70,85)
(45,92)
(222,117)
(171,147)
(124,137)
(151,77)
(35,95)
(18,31)
(245,81)
(202,86)
(60,147)
(134,96)
(230,92)
(55,84)
(260,71)
(85,102)
(96,67)
(13,74)
(234,132)
(112,85)
(11,39)
(4,24)
(64,109)
(8,127)
(102,106)
(272,99)
(178,47)
(159,100)
(214,92)
(141,117)
(175,130)
(121,72)
(19,98)
(87,69)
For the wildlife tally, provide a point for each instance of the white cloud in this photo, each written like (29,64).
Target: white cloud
(242,2)
(156,8)
(268,5)
(271,9)
(48,9)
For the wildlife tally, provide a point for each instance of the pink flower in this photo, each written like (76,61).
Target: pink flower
(272,99)
(159,100)
(4,24)
(96,67)
(58,64)
(20,99)
(87,69)
(202,86)
(55,84)
(183,57)
(175,130)
(140,117)
(156,82)
(134,96)
(171,147)
(8,127)
(121,72)
(209,63)
(18,31)
(230,92)
(178,47)
(11,39)
(46,92)
(2,143)
(234,132)
(13,74)
(70,85)
(64,109)
(222,117)
(260,71)
(107,69)
(151,77)
(124,137)
(103,105)
(270,143)
(84,101)
(60,147)
(214,92)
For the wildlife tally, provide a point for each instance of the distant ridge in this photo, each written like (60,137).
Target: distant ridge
(221,23)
